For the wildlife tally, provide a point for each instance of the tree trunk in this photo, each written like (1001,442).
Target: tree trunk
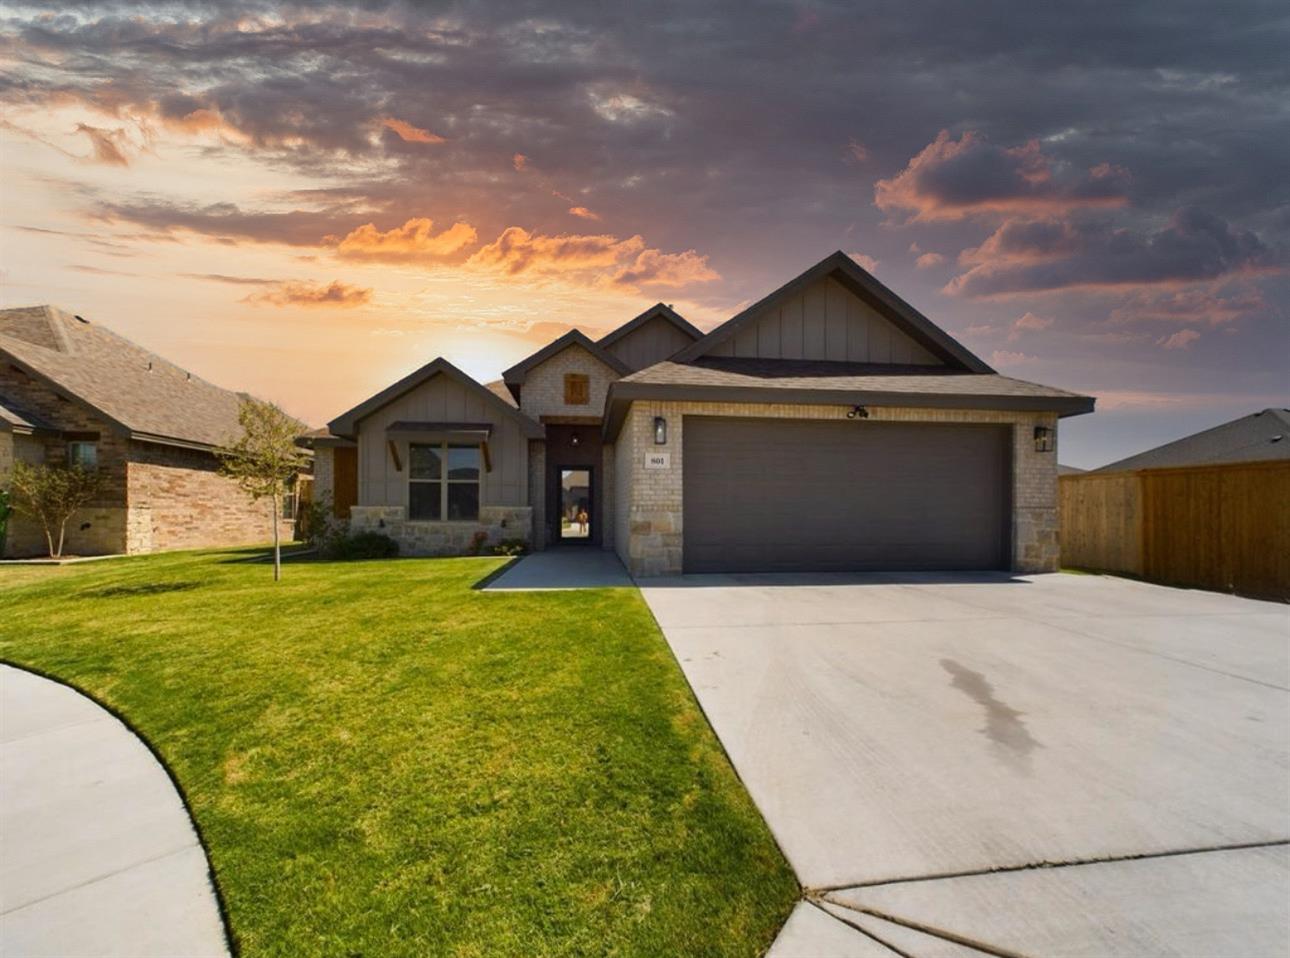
(277,547)
(62,534)
(49,540)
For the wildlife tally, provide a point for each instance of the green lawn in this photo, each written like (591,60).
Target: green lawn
(383,761)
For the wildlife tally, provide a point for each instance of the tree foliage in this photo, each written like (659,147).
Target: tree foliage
(265,458)
(51,494)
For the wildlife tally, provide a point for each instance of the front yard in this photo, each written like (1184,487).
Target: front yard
(383,761)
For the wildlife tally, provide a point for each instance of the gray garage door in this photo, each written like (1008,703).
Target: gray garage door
(780,495)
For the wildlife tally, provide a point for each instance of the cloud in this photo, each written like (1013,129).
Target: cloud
(231,280)
(1028,322)
(1194,246)
(229,222)
(654,268)
(1196,305)
(409,133)
(981,329)
(865,260)
(1179,340)
(520,162)
(414,240)
(583,213)
(928,260)
(624,108)
(517,250)
(334,294)
(109,145)
(857,152)
(953,179)
(1006,357)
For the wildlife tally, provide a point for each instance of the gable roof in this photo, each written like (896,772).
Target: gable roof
(14,419)
(343,425)
(1257,437)
(866,287)
(135,390)
(516,375)
(658,310)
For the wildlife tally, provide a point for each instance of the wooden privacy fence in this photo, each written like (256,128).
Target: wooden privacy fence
(1221,527)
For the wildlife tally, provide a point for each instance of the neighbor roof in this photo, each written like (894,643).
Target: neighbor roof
(864,285)
(343,425)
(1257,437)
(658,310)
(134,389)
(826,382)
(14,420)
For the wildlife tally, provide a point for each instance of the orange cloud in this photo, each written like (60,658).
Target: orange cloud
(928,260)
(583,213)
(334,293)
(520,162)
(1028,322)
(655,268)
(868,262)
(109,145)
(1006,357)
(518,251)
(410,133)
(414,240)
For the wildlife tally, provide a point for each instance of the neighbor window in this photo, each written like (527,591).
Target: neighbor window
(577,389)
(84,455)
(443,481)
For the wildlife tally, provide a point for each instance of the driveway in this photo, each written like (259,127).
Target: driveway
(919,743)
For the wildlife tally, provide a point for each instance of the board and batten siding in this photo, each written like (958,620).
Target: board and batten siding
(649,343)
(440,400)
(825,321)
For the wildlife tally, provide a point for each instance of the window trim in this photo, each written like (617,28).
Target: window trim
(444,482)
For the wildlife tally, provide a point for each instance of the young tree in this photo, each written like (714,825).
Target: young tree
(50,494)
(265,458)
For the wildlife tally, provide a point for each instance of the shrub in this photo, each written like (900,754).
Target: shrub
(511,547)
(360,545)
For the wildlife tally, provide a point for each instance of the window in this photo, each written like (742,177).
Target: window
(443,481)
(83,455)
(577,389)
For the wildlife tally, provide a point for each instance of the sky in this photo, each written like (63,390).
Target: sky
(309,201)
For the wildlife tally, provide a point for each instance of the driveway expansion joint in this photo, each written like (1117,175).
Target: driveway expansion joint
(935,932)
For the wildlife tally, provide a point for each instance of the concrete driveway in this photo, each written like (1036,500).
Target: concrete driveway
(920,743)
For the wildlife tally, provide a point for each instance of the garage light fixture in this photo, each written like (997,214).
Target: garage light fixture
(1043,439)
(660,431)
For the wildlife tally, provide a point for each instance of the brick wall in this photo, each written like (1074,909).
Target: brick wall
(543,391)
(178,500)
(649,502)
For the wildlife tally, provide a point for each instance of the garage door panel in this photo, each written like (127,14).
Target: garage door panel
(800,495)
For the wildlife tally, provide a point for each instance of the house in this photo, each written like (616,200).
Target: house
(72,391)
(1259,437)
(829,426)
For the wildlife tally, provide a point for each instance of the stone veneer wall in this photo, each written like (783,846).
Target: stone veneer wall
(650,515)
(324,476)
(543,391)
(429,538)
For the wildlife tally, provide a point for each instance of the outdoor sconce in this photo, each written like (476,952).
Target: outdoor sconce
(660,431)
(574,439)
(1043,439)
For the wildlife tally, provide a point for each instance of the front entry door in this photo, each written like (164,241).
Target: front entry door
(577,505)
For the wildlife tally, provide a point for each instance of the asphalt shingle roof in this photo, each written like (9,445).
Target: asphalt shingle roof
(1257,437)
(128,384)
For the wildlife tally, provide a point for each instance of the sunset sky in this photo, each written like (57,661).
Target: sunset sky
(306,202)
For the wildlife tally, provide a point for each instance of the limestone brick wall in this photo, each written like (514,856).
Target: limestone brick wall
(649,512)
(180,501)
(324,475)
(543,391)
(418,538)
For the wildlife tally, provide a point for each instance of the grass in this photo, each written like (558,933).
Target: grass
(383,761)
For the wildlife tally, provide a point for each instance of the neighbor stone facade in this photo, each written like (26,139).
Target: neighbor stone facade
(650,520)
(437,538)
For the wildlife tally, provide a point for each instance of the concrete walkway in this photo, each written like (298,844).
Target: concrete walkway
(99,854)
(1121,750)
(568,567)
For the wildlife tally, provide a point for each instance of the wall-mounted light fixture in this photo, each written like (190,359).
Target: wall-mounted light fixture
(660,431)
(858,412)
(1043,439)
(574,439)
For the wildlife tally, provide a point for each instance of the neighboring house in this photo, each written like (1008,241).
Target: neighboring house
(73,391)
(1258,437)
(828,426)
(1069,470)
